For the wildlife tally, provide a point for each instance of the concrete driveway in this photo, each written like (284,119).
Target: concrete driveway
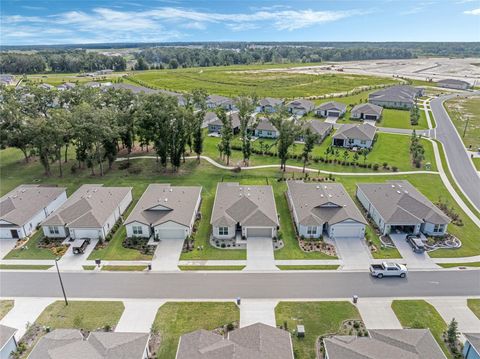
(260,254)
(377,313)
(138,315)
(354,253)
(167,255)
(370,122)
(6,245)
(257,311)
(332,120)
(412,259)
(70,261)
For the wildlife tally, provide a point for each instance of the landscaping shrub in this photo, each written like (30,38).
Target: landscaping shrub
(124,165)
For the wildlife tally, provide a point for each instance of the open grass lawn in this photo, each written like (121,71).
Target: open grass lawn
(202,268)
(25,267)
(401,119)
(453,265)
(31,251)
(308,267)
(5,307)
(124,268)
(81,315)
(474,305)
(319,318)
(381,252)
(175,319)
(236,80)
(465,114)
(420,314)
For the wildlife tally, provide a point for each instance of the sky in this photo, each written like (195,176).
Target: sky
(46,22)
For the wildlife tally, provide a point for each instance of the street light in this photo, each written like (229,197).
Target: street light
(60,278)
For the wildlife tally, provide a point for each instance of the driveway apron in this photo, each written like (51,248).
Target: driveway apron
(260,254)
(6,245)
(412,259)
(377,313)
(70,261)
(457,308)
(138,315)
(354,253)
(167,255)
(257,311)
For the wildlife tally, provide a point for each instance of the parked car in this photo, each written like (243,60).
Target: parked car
(79,245)
(387,269)
(416,243)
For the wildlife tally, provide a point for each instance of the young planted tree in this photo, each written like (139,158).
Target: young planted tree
(245,106)
(414,115)
(227,134)
(288,131)
(309,138)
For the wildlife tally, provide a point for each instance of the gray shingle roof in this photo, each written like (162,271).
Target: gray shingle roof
(257,341)
(453,82)
(269,101)
(368,109)
(317,204)
(319,127)
(401,93)
(88,207)
(146,90)
(398,202)
(332,105)
(474,339)
(247,205)
(6,333)
(363,131)
(235,120)
(161,203)
(301,103)
(392,344)
(70,343)
(217,100)
(265,124)
(21,204)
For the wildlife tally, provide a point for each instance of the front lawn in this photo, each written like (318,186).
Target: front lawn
(123,268)
(454,265)
(308,267)
(474,305)
(5,307)
(31,250)
(420,314)
(202,268)
(175,319)
(319,318)
(26,266)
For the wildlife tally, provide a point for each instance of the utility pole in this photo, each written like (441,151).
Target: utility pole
(465,129)
(61,283)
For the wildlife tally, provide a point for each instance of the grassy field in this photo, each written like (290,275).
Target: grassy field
(25,267)
(308,267)
(474,305)
(462,110)
(401,119)
(31,249)
(5,307)
(319,318)
(202,268)
(81,315)
(454,265)
(175,319)
(236,80)
(420,314)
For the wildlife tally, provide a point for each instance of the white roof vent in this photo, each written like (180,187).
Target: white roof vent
(166,199)
(406,191)
(399,192)
(171,189)
(393,186)
(322,195)
(325,187)
(330,196)
(317,187)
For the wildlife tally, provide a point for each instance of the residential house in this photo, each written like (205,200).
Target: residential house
(7,79)
(384,343)
(46,86)
(104,72)
(366,111)
(352,135)
(401,96)
(71,343)
(331,109)
(252,342)
(66,86)
(268,104)
(90,212)
(25,207)
(454,84)
(8,344)
(300,107)
(217,125)
(141,89)
(471,349)
(209,118)
(214,101)
(324,209)
(248,211)
(321,128)
(165,212)
(398,207)
(265,129)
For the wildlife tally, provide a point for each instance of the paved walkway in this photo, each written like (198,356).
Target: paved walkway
(138,315)
(70,261)
(167,255)
(354,253)
(377,313)
(257,311)
(260,254)
(25,311)
(6,245)
(410,258)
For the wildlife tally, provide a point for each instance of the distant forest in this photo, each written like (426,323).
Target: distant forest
(68,58)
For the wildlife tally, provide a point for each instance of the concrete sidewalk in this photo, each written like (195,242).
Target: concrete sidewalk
(257,311)
(378,313)
(138,315)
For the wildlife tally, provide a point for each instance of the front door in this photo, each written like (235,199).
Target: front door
(14,233)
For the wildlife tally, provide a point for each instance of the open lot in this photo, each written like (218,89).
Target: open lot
(465,115)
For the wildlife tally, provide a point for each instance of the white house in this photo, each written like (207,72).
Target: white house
(324,209)
(265,129)
(246,211)
(398,207)
(8,344)
(165,212)
(25,207)
(331,109)
(90,212)
(300,107)
(351,135)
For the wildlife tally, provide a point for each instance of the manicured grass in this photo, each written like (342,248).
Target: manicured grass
(25,266)
(476,163)
(420,314)
(461,111)
(5,307)
(474,305)
(31,251)
(401,119)
(123,268)
(382,252)
(81,315)
(175,319)
(237,80)
(89,267)
(201,268)
(308,267)
(453,265)
(319,318)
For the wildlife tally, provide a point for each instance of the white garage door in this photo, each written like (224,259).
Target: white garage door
(259,232)
(347,231)
(171,233)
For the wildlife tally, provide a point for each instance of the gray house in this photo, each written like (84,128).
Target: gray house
(214,101)
(385,343)
(321,128)
(256,341)
(398,207)
(265,129)
(401,97)
(366,111)
(8,344)
(268,104)
(246,211)
(300,107)
(215,125)
(331,109)
(324,209)
(471,349)
(454,84)
(351,135)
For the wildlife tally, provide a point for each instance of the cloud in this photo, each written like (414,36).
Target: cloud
(473,12)
(195,25)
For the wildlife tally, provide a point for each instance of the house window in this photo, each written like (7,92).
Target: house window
(351,140)
(363,142)
(259,132)
(223,231)
(53,230)
(311,230)
(269,133)
(137,230)
(438,228)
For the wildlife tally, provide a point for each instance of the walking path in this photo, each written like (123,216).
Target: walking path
(257,311)
(377,313)
(138,315)
(167,255)
(260,255)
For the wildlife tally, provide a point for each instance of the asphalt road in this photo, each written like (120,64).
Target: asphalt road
(283,285)
(458,161)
